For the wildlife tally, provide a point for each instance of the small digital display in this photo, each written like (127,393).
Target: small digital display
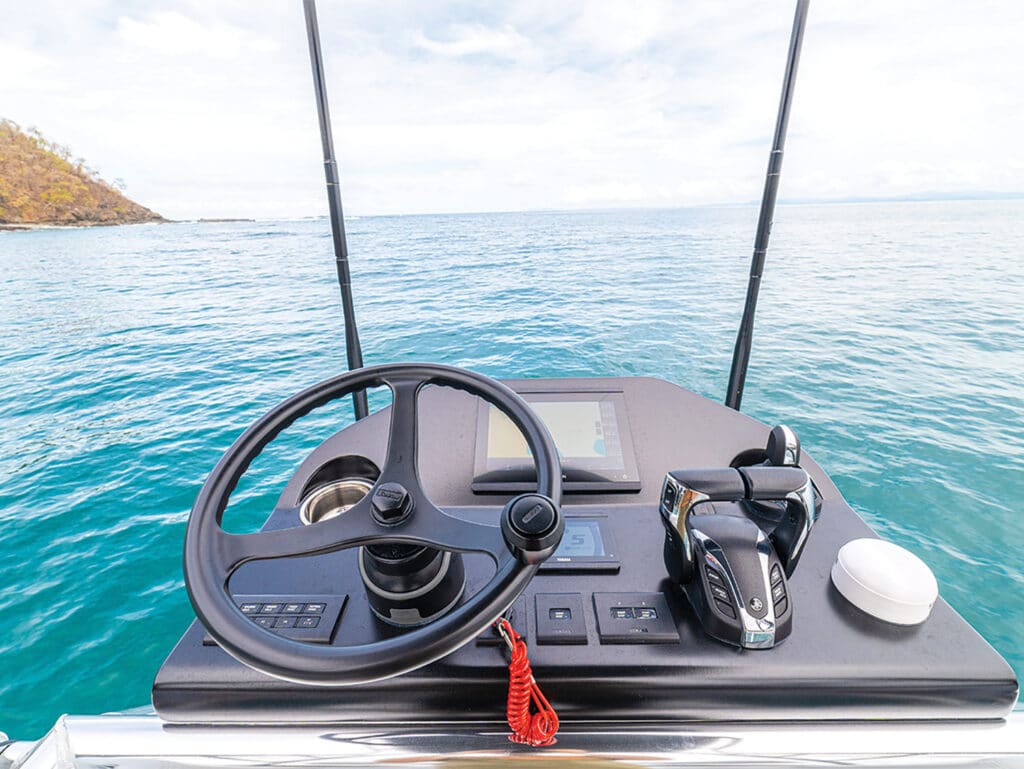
(582,539)
(578,427)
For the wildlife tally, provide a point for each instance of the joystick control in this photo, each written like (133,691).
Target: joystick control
(733,576)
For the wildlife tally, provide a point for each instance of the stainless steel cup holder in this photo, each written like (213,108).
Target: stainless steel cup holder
(332,499)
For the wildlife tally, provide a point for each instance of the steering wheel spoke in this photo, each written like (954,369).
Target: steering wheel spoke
(445,531)
(430,526)
(400,464)
(353,527)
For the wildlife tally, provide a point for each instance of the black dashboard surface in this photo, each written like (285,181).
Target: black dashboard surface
(601,662)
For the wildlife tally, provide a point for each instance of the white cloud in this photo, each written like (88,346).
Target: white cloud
(206,108)
(472,39)
(17,62)
(620,28)
(170,32)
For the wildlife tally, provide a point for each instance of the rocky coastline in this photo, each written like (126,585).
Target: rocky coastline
(42,185)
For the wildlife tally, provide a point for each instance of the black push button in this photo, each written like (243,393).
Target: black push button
(264,621)
(776,575)
(668,500)
(293,608)
(778,592)
(719,592)
(307,622)
(560,618)
(315,608)
(726,609)
(271,608)
(714,577)
(250,608)
(285,622)
(780,607)
(634,618)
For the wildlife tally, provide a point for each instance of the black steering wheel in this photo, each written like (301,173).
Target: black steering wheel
(530,530)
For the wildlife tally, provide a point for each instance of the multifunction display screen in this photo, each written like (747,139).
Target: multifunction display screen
(591,433)
(581,429)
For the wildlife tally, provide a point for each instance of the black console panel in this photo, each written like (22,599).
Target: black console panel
(610,636)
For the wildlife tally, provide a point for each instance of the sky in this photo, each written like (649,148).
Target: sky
(206,109)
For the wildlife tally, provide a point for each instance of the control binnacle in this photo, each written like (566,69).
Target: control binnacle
(734,573)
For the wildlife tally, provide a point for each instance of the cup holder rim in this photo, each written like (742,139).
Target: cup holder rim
(321,491)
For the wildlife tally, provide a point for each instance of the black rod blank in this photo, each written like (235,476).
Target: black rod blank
(353,349)
(741,353)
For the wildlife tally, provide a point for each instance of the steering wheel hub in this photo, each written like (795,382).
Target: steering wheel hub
(392,504)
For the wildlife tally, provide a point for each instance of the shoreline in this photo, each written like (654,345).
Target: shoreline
(31,226)
(28,226)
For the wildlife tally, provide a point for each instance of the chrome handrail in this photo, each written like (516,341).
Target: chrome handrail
(128,742)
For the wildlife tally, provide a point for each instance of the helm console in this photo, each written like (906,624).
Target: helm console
(611,634)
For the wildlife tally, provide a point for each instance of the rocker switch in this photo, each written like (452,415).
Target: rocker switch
(560,619)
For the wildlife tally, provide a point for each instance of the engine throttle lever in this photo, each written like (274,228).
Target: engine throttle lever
(683,490)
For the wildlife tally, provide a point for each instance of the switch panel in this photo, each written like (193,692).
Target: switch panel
(560,618)
(634,618)
(301,618)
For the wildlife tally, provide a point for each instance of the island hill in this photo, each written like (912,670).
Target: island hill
(40,184)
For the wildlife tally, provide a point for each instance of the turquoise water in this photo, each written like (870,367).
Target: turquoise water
(890,336)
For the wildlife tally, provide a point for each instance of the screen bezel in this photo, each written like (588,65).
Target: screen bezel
(579,474)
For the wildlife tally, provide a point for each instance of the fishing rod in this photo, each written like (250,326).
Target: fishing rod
(353,349)
(744,338)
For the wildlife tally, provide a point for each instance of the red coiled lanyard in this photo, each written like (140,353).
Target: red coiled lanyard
(529,728)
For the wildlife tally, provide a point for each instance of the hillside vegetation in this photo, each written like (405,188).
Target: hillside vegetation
(40,183)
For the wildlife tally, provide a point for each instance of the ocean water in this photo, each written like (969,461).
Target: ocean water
(890,336)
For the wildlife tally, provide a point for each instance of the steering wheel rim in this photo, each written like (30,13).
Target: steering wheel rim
(212,555)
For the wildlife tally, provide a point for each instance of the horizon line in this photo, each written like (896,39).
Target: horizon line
(852,200)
